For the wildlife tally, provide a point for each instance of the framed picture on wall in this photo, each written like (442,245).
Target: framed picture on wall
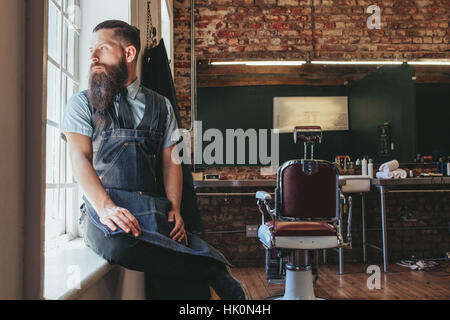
(330,113)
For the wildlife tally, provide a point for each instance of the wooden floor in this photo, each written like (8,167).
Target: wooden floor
(398,283)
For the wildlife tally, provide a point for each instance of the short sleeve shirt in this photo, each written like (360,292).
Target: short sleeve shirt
(78,117)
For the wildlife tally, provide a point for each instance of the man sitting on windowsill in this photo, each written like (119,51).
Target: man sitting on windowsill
(118,134)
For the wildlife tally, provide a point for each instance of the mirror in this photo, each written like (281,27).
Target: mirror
(394,111)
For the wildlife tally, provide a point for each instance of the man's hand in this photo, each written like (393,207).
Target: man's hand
(178,233)
(114,217)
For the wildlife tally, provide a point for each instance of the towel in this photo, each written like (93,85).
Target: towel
(396,174)
(384,175)
(399,173)
(389,166)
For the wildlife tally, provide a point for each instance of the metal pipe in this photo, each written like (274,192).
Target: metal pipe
(383,226)
(411,228)
(374,246)
(193,70)
(363,222)
(220,232)
(340,229)
(416,191)
(228,194)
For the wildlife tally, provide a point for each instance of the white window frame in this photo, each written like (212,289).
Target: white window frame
(66,218)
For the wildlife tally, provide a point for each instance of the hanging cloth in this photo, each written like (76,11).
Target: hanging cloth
(156,75)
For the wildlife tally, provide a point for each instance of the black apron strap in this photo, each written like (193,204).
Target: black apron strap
(125,117)
(155,115)
(162,123)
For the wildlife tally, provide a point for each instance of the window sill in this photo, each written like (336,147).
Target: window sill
(71,269)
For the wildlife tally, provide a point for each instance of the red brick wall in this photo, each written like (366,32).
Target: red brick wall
(286,29)
(322,29)
(418,225)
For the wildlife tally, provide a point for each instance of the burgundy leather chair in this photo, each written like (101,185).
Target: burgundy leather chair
(308,216)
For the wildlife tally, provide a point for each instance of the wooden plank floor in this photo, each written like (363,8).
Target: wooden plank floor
(398,283)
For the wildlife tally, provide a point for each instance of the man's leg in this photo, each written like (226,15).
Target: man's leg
(161,263)
(173,288)
(169,275)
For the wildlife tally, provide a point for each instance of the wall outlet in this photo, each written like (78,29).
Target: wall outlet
(251,231)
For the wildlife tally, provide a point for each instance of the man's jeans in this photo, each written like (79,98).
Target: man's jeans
(169,275)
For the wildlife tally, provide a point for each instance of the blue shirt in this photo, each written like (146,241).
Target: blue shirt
(78,117)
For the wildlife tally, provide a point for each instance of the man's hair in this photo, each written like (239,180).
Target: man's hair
(124,32)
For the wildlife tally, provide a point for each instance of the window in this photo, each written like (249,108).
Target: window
(62,195)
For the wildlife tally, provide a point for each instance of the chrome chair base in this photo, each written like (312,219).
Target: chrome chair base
(299,285)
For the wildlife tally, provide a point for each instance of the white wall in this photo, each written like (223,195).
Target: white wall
(92,13)
(131,11)
(12,53)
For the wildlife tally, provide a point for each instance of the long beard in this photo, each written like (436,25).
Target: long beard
(104,86)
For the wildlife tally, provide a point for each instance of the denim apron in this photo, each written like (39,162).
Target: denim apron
(128,162)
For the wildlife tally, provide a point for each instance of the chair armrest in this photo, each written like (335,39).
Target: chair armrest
(263,195)
(346,203)
(349,222)
(263,199)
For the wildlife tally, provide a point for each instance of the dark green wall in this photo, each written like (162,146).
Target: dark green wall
(252,107)
(433,118)
(386,95)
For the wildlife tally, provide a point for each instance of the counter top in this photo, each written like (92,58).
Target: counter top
(271,183)
(411,181)
(235,183)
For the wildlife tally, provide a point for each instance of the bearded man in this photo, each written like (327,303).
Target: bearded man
(119,137)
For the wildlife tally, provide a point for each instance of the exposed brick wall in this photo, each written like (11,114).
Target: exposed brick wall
(417,226)
(319,29)
(296,29)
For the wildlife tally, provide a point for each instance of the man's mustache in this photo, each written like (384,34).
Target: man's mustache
(98,65)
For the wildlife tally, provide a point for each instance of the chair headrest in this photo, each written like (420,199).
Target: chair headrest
(308,134)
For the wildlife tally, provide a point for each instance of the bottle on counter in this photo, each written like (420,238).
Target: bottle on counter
(440,166)
(364,167)
(370,169)
(448,167)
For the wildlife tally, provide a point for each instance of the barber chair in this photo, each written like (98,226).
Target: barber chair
(308,215)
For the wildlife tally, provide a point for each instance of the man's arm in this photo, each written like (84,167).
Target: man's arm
(173,185)
(80,149)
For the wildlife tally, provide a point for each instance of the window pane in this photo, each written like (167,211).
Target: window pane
(54,32)
(52,155)
(53,93)
(72,48)
(71,88)
(72,207)
(69,172)
(53,220)
(72,9)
